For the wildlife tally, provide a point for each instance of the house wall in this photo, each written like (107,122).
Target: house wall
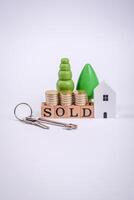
(101,106)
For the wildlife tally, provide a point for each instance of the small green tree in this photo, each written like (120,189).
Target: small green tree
(88,81)
(65,82)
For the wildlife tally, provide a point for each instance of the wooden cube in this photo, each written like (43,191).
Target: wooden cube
(61,112)
(47,111)
(87,111)
(73,111)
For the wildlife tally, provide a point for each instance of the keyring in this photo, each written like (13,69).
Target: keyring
(26,104)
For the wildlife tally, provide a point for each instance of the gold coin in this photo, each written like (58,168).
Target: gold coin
(66,98)
(52,97)
(51,92)
(80,98)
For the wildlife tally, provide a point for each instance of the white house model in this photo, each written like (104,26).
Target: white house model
(104,101)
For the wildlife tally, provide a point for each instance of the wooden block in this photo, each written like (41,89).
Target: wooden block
(74,111)
(47,111)
(87,111)
(61,112)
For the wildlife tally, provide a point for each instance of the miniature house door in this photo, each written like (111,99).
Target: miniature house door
(105,115)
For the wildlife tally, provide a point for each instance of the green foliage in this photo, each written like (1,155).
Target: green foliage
(88,80)
(65,82)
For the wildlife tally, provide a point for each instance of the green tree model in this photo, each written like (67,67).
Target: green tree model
(65,82)
(88,80)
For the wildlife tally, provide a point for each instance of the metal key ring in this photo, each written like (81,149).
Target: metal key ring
(26,104)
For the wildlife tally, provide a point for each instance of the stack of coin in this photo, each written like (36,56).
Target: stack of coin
(66,98)
(52,97)
(80,98)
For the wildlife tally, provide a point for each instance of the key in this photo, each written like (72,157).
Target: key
(35,122)
(65,125)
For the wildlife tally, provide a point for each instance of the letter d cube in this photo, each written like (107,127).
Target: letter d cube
(87,111)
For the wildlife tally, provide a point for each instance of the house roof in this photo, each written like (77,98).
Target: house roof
(104,85)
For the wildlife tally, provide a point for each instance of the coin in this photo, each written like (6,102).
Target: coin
(66,98)
(80,98)
(52,97)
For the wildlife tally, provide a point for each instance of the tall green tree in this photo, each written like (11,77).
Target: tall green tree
(88,80)
(65,82)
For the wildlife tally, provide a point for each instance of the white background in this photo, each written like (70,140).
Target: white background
(96,161)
